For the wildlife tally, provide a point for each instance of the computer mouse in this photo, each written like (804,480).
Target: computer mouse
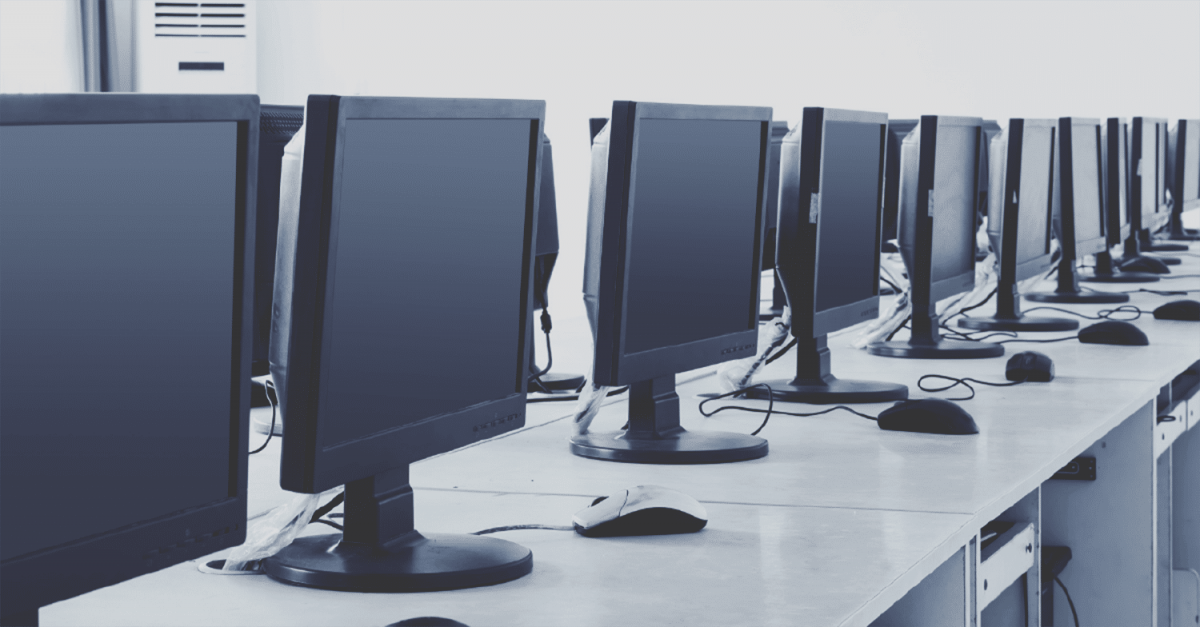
(927,415)
(644,510)
(1145,264)
(1029,366)
(1113,332)
(428,621)
(1179,310)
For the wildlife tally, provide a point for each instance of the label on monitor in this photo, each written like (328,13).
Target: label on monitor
(814,207)
(929,205)
(1139,168)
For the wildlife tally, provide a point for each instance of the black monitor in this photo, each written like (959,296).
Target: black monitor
(779,128)
(1114,146)
(545,256)
(401,199)
(1080,222)
(1183,176)
(673,265)
(831,186)
(277,125)
(1021,224)
(939,183)
(897,130)
(126,238)
(1149,193)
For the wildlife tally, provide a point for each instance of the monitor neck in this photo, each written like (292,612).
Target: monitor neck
(1133,244)
(379,509)
(812,359)
(653,409)
(1068,281)
(1008,299)
(1104,263)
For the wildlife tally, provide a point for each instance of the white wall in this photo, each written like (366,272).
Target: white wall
(989,59)
(41,46)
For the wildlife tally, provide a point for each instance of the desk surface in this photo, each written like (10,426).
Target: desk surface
(831,528)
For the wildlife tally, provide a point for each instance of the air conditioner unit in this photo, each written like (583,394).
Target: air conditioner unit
(195,47)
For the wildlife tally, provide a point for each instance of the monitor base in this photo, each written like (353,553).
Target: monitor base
(1077,297)
(1184,237)
(1121,277)
(680,447)
(1162,246)
(559,382)
(768,315)
(1170,261)
(413,563)
(943,349)
(831,391)
(1023,323)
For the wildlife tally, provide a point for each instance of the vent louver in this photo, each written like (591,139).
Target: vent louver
(199,19)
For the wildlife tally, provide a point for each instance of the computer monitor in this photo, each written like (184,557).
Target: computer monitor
(126,238)
(595,125)
(1020,227)
(1080,222)
(401,199)
(277,125)
(1183,176)
(672,268)
(991,128)
(897,130)
(939,183)
(779,128)
(545,256)
(1114,145)
(831,187)
(1149,190)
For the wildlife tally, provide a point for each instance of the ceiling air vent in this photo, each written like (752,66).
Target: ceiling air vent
(195,47)
(200,19)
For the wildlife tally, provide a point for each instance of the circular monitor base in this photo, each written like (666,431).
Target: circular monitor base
(1170,261)
(680,447)
(1184,237)
(1077,297)
(424,564)
(1024,323)
(944,349)
(1161,246)
(559,382)
(1121,277)
(835,391)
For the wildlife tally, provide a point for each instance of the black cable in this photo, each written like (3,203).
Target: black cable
(537,376)
(1103,314)
(977,305)
(963,382)
(1162,292)
(573,397)
(330,523)
(1069,601)
(890,284)
(268,386)
(1057,339)
(897,329)
(770,407)
(781,352)
(515,527)
(328,507)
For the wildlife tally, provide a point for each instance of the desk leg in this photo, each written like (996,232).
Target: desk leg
(1185,501)
(1162,540)
(1109,526)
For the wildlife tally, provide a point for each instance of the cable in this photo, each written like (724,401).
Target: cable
(328,507)
(1057,339)
(975,306)
(1069,601)
(515,527)
(1103,314)
(897,329)
(783,350)
(546,326)
(890,284)
(330,523)
(963,382)
(770,407)
(269,385)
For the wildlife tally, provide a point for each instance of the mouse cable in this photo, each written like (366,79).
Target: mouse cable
(782,351)
(1069,601)
(770,407)
(977,305)
(964,381)
(1049,341)
(270,432)
(970,336)
(1162,292)
(516,527)
(1103,314)
(572,397)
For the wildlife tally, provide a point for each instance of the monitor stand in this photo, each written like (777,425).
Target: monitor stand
(654,436)
(1177,232)
(1009,317)
(1068,289)
(1107,272)
(1151,245)
(381,552)
(926,341)
(815,384)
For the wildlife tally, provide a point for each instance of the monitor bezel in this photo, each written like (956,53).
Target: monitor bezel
(1145,215)
(1012,212)
(805,236)
(897,130)
(1116,171)
(1074,247)
(1185,129)
(612,365)
(309,464)
(55,573)
(959,283)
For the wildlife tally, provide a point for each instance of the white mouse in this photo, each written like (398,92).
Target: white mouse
(642,510)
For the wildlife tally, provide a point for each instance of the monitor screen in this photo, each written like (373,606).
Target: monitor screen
(1034,214)
(847,250)
(1144,168)
(694,211)
(1085,184)
(954,201)
(410,194)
